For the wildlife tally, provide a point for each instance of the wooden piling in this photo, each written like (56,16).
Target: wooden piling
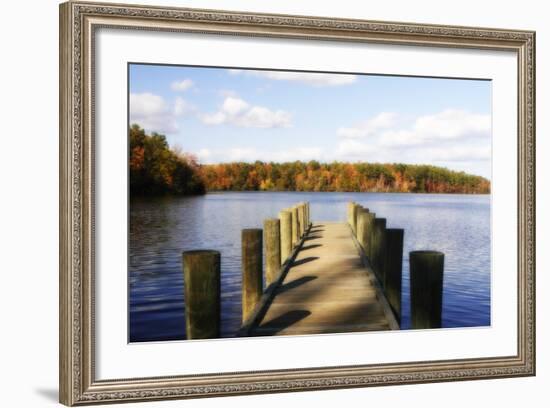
(368,227)
(295,226)
(272,243)
(285,220)
(426,273)
(393,266)
(377,249)
(252,282)
(301,220)
(362,217)
(304,210)
(354,211)
(201,274)
(350,214)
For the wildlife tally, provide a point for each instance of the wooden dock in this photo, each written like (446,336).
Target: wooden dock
(328,286)
(318,278)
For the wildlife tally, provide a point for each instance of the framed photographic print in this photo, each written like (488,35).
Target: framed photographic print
(259,203)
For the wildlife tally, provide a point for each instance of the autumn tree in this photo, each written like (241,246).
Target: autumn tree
(156,170)
(338,176)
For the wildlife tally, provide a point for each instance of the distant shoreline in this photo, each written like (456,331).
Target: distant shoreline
(220,192)
(155,169)
(339,192)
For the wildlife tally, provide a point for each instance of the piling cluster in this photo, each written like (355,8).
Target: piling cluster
(278,241)
(383,247)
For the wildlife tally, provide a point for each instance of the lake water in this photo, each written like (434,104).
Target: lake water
(160,229)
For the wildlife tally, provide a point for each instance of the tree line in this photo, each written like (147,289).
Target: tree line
(156,169)
(340,177)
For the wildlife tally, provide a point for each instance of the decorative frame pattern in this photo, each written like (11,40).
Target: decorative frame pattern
(78,22)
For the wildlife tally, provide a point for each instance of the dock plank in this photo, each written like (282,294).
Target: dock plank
(328,289)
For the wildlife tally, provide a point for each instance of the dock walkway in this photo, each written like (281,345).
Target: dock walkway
(328,288)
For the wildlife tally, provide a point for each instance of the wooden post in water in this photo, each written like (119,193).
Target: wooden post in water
(299,224)
(369,225)
(285,220)
(426,270)
(272,242)
(393,269)
(354,210)
(201,275)
(362,216)
(304,217)
(301,220)
(252,282)
(351,209)
(377,249)
(294,212)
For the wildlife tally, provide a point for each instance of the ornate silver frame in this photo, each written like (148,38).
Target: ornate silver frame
(78,22)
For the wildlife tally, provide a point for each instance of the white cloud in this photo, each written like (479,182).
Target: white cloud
(181,86)
(383,120)
(317,79)
(353,150)
(152,113)
(217,118)
(475,157)
(452,138)
(457,153)
(237,112)
(261,117)
(453,124)
(474,160)
(242,154)
(388,128)
(182,107)
(234,106)
(296,153)
(250,154)
(145,104)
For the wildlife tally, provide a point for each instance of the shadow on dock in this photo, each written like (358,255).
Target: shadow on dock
(304,260)
(284,321)
(295,283)
(312,237)
(312,246)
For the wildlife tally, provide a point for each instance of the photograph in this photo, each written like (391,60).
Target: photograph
(273,200)
(267,202)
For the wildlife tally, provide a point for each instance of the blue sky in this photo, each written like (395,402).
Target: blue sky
(224,115)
